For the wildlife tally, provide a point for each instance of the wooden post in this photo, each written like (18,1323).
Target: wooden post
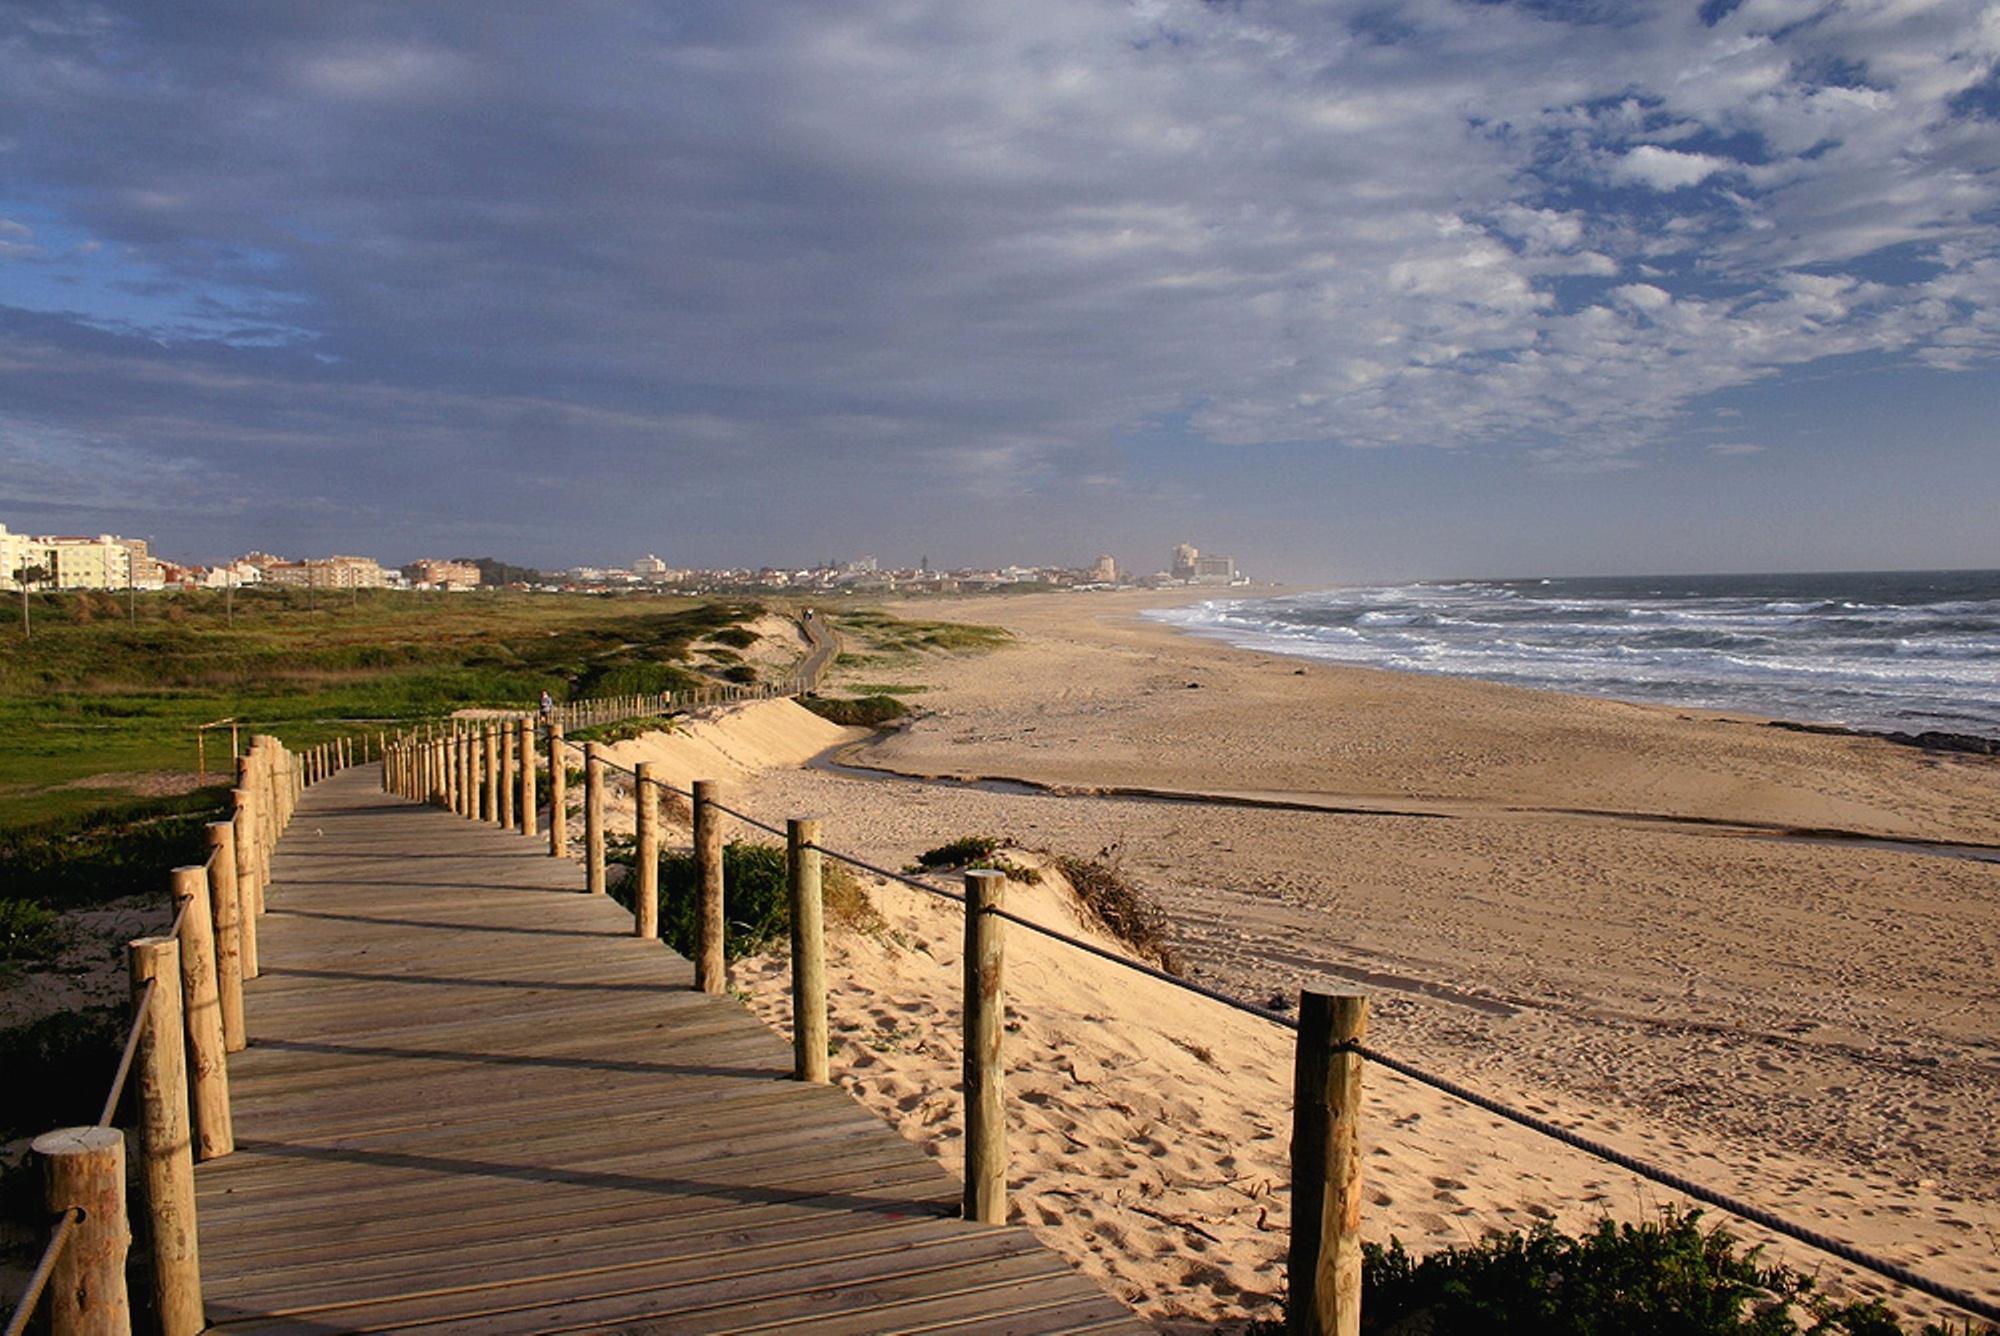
(646,851)
(468,778)
(808,951)
(985,1018)
(223,905)
(710,975)
(245,826)
(166,1156)
(83,1168)
(489,809)
(558,795)
(451,772)
(207,1056)
(593,818)
(504,779)
(525,745)
(1324,1266)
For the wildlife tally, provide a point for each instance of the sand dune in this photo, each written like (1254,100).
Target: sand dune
(1808,1026)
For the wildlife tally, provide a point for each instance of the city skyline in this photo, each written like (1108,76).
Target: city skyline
(1365,291)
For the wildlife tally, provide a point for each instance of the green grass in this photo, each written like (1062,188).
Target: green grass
(91,693)
(874,636)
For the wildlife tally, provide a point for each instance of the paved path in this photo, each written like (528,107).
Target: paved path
(473,1102)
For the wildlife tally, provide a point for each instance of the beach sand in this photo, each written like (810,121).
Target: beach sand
(1585,910)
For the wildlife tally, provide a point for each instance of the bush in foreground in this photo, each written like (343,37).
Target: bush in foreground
(1666,1277)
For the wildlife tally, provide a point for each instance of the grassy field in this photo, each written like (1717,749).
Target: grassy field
(97,713)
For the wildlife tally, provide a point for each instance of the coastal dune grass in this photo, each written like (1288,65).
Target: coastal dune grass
(757,906)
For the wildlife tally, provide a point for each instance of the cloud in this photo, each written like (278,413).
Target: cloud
(1731,449)
(944,243)
(1666,168)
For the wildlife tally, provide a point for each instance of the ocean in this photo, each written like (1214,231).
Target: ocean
(1908,651)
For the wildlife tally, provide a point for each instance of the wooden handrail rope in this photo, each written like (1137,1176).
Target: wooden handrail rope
(24,1309)
(141,1004)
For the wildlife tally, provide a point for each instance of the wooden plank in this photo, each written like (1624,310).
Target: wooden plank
(474,1101)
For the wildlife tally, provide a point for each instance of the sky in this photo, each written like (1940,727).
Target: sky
(1347,290)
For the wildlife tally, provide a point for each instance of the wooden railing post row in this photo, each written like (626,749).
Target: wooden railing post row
(1324,1261)
(646,851)
(166,1154)
(710,975)
(985,1072)
(207,1054)
(593,818)
(558,795)
(526,746)
(224,908)
(802,866)
(244,828)
(83,1168)
(450,763)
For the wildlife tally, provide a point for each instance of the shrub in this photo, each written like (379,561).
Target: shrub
(1126,911)
(128,850)
(740,672)
(59,1068)
(28,931)
(959,852)
(1664,1277)
(736,637)
(857,712)
(973,853)
(756,901)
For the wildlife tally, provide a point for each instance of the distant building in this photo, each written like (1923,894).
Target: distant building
(103,562)
(232,575)
(436,573)
(1191,567)
(1105,571)
(336,572)
(16,551)
(650,567)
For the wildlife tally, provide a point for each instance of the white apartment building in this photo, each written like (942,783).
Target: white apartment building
(16,550)
(75,561)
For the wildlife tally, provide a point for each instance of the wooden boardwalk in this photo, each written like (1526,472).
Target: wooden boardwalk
(474,1102)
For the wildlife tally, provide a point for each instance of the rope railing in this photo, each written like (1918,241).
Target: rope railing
(802,837)
(143,1005)
(31,1296)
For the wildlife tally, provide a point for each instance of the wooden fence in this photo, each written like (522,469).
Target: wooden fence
(187,1018)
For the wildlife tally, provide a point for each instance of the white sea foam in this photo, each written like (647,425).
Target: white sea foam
(1905,651)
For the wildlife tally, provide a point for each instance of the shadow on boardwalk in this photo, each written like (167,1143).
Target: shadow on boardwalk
(473,1101)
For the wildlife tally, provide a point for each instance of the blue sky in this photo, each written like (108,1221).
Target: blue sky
(1367,290)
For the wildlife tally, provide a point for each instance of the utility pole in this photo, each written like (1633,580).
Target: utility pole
(132,585)
(24,576)
(229,594)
